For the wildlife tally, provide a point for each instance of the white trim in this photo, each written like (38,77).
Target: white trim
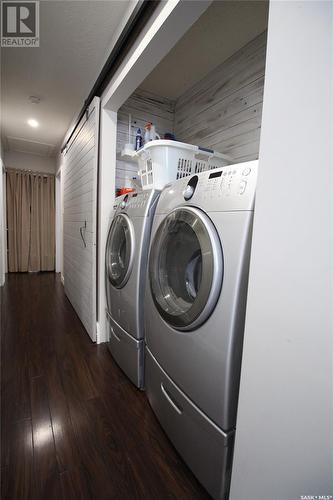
(98,333)
(95,104)
(3,224)
(107,155)
(58,222)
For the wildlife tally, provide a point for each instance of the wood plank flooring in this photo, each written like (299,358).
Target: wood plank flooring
(73,426)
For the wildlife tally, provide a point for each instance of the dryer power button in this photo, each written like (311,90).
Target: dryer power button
(242,187)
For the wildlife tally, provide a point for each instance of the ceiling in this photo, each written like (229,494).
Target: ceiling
(223,28)
(75,40)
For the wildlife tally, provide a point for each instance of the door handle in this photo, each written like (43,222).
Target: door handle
(81,233)
(171,400)
(115,335)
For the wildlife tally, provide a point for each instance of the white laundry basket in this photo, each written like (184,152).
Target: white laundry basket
(164,161)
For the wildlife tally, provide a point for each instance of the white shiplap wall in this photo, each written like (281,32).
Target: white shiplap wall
(223,110)
(144,107)
(79,178)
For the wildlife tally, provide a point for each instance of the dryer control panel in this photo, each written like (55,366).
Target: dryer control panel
(229,188)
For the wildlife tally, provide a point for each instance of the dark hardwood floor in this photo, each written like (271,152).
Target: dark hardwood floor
(73,426)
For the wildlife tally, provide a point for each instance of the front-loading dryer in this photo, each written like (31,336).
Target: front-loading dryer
(195,312)
(125,273)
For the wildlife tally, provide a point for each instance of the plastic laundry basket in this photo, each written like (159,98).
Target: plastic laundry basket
(164,161)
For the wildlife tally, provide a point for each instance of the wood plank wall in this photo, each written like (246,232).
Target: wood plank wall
(143,107)
(79,187)
(223,110)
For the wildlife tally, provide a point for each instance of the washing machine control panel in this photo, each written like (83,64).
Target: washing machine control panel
(136,204)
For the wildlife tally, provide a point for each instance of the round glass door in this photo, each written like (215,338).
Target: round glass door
(186,268)
(120,250)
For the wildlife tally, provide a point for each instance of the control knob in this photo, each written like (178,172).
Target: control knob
(124,202)
(190,188)
(188,192)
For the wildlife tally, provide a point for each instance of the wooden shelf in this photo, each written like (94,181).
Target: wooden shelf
(127,155)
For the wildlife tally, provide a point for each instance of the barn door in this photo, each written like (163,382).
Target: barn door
(80,218)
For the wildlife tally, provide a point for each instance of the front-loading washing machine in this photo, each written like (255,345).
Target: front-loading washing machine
(126,270)
(195,312)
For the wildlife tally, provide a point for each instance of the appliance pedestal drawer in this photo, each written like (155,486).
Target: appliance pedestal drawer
(127,352)
(206,449)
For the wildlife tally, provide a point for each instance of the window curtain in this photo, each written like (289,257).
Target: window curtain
(31,221)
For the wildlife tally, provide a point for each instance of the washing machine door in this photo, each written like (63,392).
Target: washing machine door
(120,250)
(186,268)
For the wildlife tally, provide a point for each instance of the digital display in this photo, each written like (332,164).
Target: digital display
(215,174)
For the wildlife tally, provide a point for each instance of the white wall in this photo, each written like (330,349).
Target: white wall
(26,161)
(284,429)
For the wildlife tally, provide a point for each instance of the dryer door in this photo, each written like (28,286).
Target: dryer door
(120,250)
(186,268)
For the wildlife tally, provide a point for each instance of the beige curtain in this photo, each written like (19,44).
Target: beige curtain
(18,220)
(42,229)
(31,221)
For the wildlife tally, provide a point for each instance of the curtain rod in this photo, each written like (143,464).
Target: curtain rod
(137,20)
(29,171)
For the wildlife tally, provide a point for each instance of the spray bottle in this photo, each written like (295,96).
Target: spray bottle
(138,139)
